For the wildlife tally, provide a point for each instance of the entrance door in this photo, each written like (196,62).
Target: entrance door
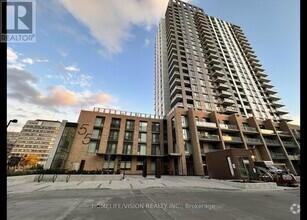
(244,167)
(82,165)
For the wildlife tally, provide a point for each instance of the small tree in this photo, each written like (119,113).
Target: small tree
(29,160)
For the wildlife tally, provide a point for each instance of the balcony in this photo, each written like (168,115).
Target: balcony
(267,85)
(270,142)
(214,61)
(294,156)
(270,91)
(206,124)
(273,97)
(282,111)
(176,89)
(261,74)
(175,83)
(176,98)
(204,151)
(175,75)
(218,73)
(224,93)
(178,105)
(277,104)
(247,129)
(278,156)
(258,68)
(220,80)
(222,86)
(213,56)
(297,135)
(232,139)
(208,137)
(284,133)
(230,110)
(253,141)
(227,101)
(286,118)
(217,67)
(263,80)
(228,127)
(289,144)
(267,132)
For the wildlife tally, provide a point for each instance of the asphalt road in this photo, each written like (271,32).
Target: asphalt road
(155,203)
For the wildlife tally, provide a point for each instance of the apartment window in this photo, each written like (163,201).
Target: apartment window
(113,136)
(204,90)
(139,165)
(93,147)
(109,164)
(128,136)
(129,125)
(99,121)
(196,95)
(208,105)
(155,127)
(187,147)
(155,149)
(142,137)
(185,133)
(153,164)
(111,148)
(96,134)
(115,123)
(143,126)
(125,165)
(197,104)
(184,121)
(155,138)
(127,148)
(142,149)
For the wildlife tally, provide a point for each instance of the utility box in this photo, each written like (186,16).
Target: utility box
(231,164)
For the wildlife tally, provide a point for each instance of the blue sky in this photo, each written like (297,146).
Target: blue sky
(100,53)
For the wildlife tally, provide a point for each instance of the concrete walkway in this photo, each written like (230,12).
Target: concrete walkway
(139,182)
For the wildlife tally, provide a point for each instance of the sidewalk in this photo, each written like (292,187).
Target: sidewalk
(139,182)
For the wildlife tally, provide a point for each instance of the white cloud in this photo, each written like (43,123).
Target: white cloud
(27,102)
(11,55)
(62,53)
(72,68)
(146,42)
(110,22)
(28,60)
(16,65)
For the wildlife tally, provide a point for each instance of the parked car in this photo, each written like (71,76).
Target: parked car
(269,172)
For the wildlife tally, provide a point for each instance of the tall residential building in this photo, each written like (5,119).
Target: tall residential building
(36,137)
(207,64)
(211,94)
(11,138)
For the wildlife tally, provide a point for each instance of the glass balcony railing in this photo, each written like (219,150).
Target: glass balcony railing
(227,126)
(253,141)
(209,136)
(266,131)
(206,124)
(250,129)
(232,139)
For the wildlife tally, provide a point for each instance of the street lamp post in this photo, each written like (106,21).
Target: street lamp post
(13,121)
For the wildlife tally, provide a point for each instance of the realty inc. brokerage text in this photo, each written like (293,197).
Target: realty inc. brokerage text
(153,206)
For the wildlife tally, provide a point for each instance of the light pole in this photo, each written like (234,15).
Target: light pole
(13,121)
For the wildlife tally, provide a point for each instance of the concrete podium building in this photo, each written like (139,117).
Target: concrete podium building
(211,93)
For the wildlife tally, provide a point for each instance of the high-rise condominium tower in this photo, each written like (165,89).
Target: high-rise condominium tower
(206,63)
